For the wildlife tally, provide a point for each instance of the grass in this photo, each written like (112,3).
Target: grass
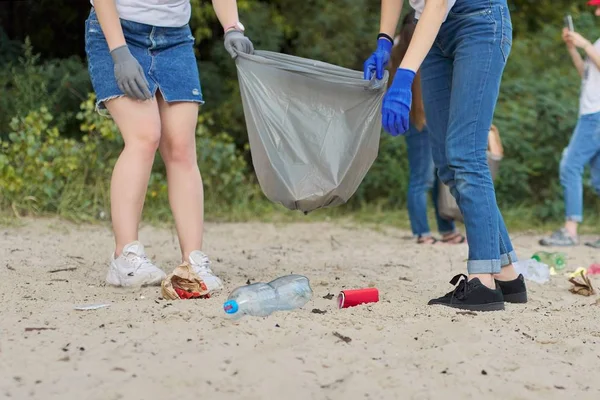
(374,216)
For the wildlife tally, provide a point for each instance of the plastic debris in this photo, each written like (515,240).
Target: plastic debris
(89,307)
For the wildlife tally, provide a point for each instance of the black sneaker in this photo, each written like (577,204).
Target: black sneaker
(471,295)
(513,291)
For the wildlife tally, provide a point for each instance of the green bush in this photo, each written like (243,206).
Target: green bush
(29,84)
(44,172)
(56,159)
(536,114)
(386,182)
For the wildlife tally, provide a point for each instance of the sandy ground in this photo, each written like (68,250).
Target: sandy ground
(146,348)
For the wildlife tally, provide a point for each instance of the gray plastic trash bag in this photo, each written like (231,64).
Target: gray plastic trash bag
(313,127)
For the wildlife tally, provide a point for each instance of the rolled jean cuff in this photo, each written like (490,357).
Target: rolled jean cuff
(483,266)
(418,235)
(575,218)
(507,259)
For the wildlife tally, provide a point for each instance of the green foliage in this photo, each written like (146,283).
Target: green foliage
(38,166)
(536,114)
(56,159)
(42,171)
(9,49)
(386,182)
(28,84)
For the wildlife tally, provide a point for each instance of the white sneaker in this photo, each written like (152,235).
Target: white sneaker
(201,265)
(133,268)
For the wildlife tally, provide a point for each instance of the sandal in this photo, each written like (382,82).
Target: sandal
(455,238)
(424,240)
(595,245)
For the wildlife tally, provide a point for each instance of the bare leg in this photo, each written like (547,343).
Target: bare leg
(178,150)
(139,123)
(507,273)
(571,227)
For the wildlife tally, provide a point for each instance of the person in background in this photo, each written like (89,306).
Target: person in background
(423,177)
(584,146)
(461,48)
(144,72)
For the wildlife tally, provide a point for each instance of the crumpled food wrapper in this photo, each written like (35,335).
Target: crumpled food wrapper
(578,271)
(584,288)
(184,283)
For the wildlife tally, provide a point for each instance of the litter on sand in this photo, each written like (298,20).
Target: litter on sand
(583,287)
(184,283)
(88,307)
(593,269)
(578,271)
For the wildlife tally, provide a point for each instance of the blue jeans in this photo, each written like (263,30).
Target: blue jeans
(165,54)
(461,79)
(583,149)
(422,179)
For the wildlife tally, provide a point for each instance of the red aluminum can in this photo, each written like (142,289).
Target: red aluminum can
(355,297)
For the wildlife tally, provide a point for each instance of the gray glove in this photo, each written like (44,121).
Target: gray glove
(129,74)
(236,42)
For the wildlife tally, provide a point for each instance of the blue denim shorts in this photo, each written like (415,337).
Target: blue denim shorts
(165,54)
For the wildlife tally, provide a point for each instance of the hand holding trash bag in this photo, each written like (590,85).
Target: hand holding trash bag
(397,102)
(378,60)
(236,42)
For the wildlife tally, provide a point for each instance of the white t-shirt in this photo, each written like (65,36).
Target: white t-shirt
(419,6)
(589,102)
(167,13)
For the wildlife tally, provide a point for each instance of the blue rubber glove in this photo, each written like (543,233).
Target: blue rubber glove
(378,60)
(397,102)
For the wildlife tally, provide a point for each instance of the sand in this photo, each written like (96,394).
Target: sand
(142,347)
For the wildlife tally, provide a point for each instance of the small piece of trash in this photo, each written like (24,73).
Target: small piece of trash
(583,287)
(466,313)
(528,336)
(345,339)
(593,269)
(142,297)
(317,311)
(483,372)
(329,296)
(578,272)
(62,270)
(39,329)
(547,341)
(91,307)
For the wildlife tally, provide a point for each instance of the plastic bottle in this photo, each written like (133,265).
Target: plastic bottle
(558,261)
(533,270)
(261,299)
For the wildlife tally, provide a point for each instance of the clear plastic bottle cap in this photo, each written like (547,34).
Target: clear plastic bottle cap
(231,307)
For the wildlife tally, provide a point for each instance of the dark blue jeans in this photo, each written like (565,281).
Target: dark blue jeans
(422,180)
(461,79)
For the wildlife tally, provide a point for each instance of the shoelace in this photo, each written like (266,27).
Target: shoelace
(139,262)
(204,265)
(461,289)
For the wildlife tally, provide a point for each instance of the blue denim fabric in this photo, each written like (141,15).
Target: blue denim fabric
(422,179)
(165,54)
(583,149)
(461,79)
